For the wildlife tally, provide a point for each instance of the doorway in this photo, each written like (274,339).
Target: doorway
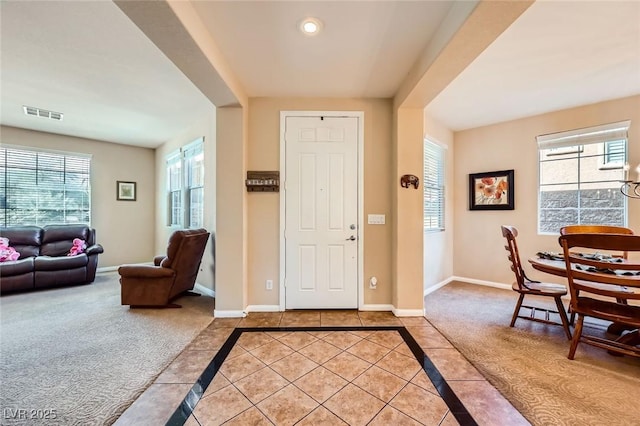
(321,240)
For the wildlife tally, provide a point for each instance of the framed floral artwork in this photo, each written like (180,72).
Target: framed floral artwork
(491,190)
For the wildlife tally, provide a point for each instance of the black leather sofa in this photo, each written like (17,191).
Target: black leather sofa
(43,260)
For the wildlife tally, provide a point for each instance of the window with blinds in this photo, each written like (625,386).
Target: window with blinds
(579,177)
(185,186)
(41,187)
(433,186)
(194,184)
(174,188)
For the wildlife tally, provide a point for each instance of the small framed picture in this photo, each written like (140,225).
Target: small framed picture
(491,190)
(126,191)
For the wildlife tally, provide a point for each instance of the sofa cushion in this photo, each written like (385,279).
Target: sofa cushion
(25,239)
(48,263)
(16,267)
(57,240)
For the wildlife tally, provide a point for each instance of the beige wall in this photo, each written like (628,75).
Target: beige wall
(407,205)
(124,228)
(438,246)
(264,208)
(204,125)
(231,215)
(478,243)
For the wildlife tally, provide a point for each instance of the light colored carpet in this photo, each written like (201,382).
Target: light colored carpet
(528,364)
(77,351)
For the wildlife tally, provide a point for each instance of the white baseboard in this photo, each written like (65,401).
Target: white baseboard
(482,282)
(408,312)
(204,290)
(220,313)
(437,286)
(376,307)
(107,269)
(263,308)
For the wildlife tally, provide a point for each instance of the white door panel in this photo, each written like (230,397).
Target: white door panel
(321,263)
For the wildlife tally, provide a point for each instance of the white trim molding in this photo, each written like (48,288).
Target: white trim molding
(219,313)
(204,290)
(376,308)
(262,308)
(482,282)
(408,312)
(435,287)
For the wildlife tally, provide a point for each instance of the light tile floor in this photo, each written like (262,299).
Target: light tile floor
(355,377)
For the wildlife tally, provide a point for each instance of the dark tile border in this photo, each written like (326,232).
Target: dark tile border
(186,407)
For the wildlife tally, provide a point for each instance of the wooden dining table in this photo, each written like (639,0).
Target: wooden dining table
(558,268)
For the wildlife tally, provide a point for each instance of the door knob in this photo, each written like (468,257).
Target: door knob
(351,238)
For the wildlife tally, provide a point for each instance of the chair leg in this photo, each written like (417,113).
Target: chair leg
(572,318)
(563,317)
(517,310)
(577,333)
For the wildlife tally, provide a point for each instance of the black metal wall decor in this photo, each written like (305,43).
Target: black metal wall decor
(263,181)
(409,180)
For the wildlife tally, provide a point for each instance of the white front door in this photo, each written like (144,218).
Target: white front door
(321,213)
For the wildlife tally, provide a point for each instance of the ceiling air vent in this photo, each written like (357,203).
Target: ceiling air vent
(37,112)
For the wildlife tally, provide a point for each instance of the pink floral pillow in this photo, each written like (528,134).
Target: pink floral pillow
(78,247)
(7,253)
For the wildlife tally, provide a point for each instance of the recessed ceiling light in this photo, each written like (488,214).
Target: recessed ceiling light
(310,26)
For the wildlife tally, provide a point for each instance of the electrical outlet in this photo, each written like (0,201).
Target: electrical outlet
(269,285)
(373,283)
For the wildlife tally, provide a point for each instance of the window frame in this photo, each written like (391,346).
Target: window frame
(570,146)
(181,207)
(433,158)
(71,167)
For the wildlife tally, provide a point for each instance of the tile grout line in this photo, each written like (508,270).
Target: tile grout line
(455,406)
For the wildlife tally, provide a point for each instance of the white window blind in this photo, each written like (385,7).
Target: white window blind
(174,187)
(579,174)
(194,179)
(41,187)
(433,186)
(185,186)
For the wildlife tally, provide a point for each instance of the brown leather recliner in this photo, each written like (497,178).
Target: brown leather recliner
(173,275)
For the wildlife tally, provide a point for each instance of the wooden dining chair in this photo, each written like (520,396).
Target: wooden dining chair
(525,286)
(596,229)
(613,280)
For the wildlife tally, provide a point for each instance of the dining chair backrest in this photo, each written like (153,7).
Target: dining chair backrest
(582,265)
(597,229)
(510,233)
(526,286)
(600,287)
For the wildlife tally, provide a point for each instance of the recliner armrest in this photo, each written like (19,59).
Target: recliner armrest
(94,249)
(144,271)
(158,259)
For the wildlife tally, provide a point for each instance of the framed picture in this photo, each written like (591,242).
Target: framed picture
(491,190)
(126,191)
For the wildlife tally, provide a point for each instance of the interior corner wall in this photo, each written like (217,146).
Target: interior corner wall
(478,243)
(408,225)
(264,208)
(204,124)
(231,222)
(438,246)
(124,228)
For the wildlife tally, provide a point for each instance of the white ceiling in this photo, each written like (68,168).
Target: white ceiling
(89,61)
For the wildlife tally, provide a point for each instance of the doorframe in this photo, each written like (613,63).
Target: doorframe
(283,202)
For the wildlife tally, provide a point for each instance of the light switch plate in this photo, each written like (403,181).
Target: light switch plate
(376,219)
